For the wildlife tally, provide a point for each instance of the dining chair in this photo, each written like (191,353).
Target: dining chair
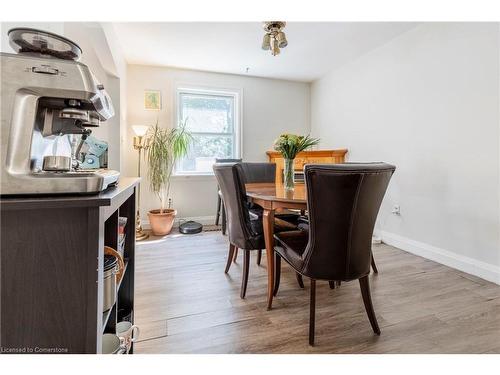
(245,228)
(220,203)
(343,201)
(258,172)
(303,224)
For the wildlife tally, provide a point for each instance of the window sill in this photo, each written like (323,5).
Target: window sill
(204,176)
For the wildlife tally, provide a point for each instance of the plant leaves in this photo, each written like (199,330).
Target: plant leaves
(166,146)
(289,145)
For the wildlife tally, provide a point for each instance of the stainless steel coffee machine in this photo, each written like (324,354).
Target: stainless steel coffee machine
(49,103)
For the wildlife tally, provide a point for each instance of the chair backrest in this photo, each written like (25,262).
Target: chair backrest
(219,160)
(343,202)
(259,172)
(231,182)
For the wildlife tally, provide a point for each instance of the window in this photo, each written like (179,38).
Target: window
(213,120)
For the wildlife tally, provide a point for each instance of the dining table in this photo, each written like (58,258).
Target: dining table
(274,197)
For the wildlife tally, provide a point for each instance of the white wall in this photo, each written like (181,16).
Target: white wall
(107,64)
(428,102)
(269,107)
(120,72)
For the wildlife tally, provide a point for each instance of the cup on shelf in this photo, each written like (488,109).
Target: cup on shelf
(112,344)
(128,332)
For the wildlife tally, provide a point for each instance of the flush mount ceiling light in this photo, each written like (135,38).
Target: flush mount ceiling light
(275,38)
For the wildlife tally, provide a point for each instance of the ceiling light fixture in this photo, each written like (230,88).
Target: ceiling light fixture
(275,38)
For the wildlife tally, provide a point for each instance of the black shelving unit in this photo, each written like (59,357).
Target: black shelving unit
(52,255)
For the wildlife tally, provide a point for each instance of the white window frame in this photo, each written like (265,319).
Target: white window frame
(236,94)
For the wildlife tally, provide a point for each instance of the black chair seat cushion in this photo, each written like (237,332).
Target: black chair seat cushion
(290,246)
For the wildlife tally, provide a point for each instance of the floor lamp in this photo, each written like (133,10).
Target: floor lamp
(140,144)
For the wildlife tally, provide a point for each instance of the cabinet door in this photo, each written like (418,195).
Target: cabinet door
(299,163)
(319,160)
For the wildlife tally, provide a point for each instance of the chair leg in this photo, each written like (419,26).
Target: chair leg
(339,283)
(244,279)
(223,218)
(259,257)
(374,266)
(277,273)
(229,257)
(217,216)
(332,284)
(299,280)
(235,255)
(312,312)
(367,299)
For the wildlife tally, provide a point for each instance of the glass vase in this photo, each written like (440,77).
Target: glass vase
(289,175)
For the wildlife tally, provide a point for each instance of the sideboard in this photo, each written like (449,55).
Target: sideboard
(306,157)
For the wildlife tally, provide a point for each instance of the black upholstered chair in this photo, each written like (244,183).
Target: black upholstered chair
(343,202)
(303,224)
(258,172)
(220,203)
(245,228)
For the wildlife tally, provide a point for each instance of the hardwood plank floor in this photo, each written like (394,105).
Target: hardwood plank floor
(186,304)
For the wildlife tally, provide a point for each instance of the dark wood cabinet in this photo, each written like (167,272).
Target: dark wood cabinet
(51,284)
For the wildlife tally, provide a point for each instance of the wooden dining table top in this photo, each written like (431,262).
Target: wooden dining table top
(277,192)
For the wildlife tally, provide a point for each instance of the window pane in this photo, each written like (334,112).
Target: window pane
(204,150)
(207,114)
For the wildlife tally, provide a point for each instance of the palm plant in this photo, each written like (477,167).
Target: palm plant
(166,147)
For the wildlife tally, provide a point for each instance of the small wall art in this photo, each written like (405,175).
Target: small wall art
(152,100)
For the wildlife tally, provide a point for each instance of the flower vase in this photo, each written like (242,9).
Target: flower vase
(289,174)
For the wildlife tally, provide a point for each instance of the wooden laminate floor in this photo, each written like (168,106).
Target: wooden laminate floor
(186,304)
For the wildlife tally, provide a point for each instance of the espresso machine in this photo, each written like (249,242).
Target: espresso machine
(50,103)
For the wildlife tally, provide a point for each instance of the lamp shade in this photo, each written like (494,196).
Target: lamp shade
(140,130)
(266,42)
(282,42)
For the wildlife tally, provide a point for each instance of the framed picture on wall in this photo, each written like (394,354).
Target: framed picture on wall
(152,99)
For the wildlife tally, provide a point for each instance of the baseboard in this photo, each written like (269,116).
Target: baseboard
(205,220)
(472,266)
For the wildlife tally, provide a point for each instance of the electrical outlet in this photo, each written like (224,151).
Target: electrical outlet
(396,210)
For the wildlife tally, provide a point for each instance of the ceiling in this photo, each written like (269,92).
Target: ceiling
(314,48)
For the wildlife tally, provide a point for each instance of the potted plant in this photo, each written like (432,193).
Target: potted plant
(166,146)
(289,145)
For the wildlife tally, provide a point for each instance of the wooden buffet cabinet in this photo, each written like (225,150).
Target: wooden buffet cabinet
(52,252)
(306,157)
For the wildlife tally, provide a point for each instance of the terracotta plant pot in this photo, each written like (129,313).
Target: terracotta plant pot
(161,223)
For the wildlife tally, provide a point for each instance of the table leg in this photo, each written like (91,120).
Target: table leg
(268,223)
